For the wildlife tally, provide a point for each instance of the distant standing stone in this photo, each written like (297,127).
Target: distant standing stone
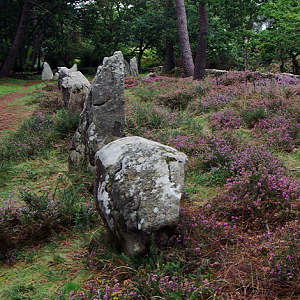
(138,188)
(74,87)
(134,67)
(47,73)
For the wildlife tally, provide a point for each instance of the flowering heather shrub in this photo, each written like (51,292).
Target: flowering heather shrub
(286,79)
(190,144)
(161,80)
(279,132)
(218,153)
(225,120)
(259,199)
(51,100)
(283,248)
(31,139)
(251,117)
(177,99)
(149,116)
(201,234)
(214,100)
(36,135)
(151,87)
(234,77)
(149,285)
(231,157)
(131,82)
(33,217)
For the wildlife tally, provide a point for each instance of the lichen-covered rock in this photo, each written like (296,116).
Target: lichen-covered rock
(103,117)
(47,73)
(75,88)
(138,187)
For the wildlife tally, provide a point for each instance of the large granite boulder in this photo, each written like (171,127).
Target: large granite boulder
(47,73)
(103,117)
(74,86)
(138,187)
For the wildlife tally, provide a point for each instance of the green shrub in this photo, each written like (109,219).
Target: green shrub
(177,99)
(65,122)
(252,116)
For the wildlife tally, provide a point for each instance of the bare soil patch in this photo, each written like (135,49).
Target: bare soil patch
(10,115)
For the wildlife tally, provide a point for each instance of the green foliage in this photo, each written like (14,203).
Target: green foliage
(279,40)
(66,122)
(252,116)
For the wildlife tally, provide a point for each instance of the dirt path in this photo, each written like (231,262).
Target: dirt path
(10,115)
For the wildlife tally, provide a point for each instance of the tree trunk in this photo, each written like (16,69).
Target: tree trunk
(296,67)
(36,49)
(13,52)
(246,55)
(200,60)
(37,41)
(169,62)
(185,48)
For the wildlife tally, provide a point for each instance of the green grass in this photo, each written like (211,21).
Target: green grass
(37,175)
(40,273)
(10,85)
(7,89)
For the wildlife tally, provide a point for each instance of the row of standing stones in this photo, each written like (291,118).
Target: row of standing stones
(138,182)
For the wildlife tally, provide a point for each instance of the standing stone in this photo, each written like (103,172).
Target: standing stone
(138,188)
(75,88)
(56,76)
(47,73)
(74,68)
(126,68)
(134,67)
(62,73)
(103,117)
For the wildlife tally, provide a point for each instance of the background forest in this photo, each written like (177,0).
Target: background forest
(243,34)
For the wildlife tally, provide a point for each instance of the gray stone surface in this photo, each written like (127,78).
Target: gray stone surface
(47,73)
(138,188)
(56,76)
(126,68)
(74,86)
(103,117)
(134,67)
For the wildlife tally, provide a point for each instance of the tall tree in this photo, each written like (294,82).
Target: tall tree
(169,61)
(281,39)
(199,72)
(184,41)
(13,52)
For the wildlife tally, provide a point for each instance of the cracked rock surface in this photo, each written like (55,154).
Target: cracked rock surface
(102,119)
(138,190)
